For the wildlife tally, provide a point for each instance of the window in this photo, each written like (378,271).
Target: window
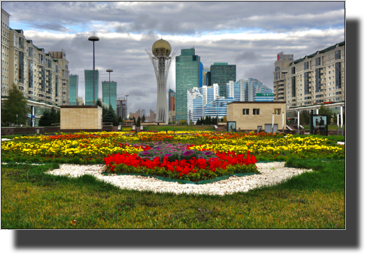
(337,54)
(293,70)
(245,111)
(277,111)
(256,111)
(306,65)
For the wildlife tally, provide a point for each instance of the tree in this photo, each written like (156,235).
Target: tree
(143,118)
(16,104)
(225,119)
(328,112)
(304,117)
(120,119)
(134,120)
(111,117)
(53,116)
(138,121)
(183,122)
(45,120)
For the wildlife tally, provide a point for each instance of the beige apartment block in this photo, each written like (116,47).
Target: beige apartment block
(43,77)
(257,115)
(81,117)
(311,80)
(5,83)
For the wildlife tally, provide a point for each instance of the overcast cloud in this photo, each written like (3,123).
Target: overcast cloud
(247,34)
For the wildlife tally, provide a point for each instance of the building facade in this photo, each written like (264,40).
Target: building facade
(187,77)
(73,91)
(139,113)
(257,115)
(80,101)
(314,79)
(246,90)
(88,86)
(205,76)
(205,101)
(43,77)
(172,100)
(109,91)
(221,74)
(122,107)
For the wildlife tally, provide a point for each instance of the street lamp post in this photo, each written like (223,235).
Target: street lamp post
(93,39)
(17,118)
(109,90)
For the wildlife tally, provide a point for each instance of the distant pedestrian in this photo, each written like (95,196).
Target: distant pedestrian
(316,129)
(322,126)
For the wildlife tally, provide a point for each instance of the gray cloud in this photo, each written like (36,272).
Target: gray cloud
(184,25)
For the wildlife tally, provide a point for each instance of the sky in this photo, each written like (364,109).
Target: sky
(246,34)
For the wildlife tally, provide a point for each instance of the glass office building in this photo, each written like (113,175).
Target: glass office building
(195,107)
(264,97)
(200,74)
(109,97)
(187,77)
(218,107)
(222,73)
(88,86)
(246,90)
(73,89)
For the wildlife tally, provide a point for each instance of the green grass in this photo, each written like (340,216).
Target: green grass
(32,199)
(179,128)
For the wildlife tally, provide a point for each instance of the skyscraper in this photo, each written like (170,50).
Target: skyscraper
(88,86)
(107,96)
(222,73)
(187,77)
(171,100)
(73,89)
(201,75)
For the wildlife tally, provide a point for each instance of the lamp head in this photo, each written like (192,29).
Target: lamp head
(109,70)
(93,38)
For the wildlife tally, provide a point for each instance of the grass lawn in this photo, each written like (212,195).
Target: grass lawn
(179,128)
(32,199)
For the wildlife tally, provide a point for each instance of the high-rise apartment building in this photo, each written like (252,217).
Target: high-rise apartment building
(42,77)
(88,86)
(314,79)
(221,74)
(73,91)
(187,77)
(109,96)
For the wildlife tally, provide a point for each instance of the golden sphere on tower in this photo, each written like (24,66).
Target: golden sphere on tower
(161,48)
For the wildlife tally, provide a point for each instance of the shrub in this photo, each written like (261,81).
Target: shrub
(183,122)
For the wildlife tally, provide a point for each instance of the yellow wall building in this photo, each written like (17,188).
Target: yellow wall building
(257,115)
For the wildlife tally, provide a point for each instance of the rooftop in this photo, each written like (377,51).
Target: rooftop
(317,52)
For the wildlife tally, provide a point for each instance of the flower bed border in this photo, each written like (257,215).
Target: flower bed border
(203,182)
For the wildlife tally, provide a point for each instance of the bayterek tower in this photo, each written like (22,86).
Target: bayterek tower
(161,57)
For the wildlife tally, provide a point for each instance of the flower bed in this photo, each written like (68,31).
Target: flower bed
(181,163)
(87,147)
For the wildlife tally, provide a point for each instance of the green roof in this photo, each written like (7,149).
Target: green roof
(320,51)
(264,94)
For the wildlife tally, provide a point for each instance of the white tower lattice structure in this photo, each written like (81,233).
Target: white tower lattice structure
(161,57)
